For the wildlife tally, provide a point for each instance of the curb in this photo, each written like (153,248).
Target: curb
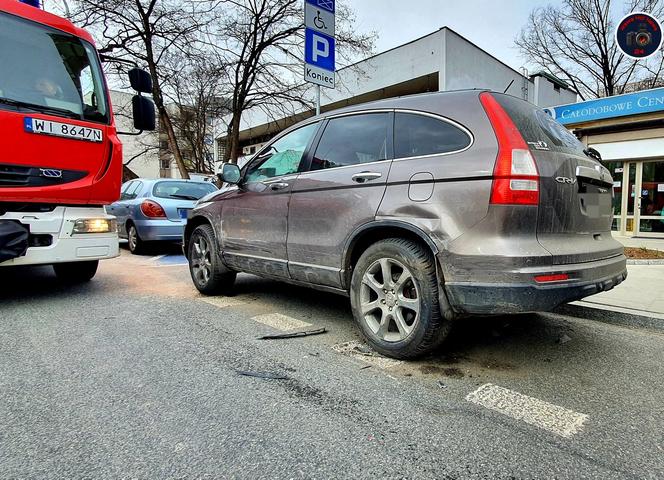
(639,261)
(609,314)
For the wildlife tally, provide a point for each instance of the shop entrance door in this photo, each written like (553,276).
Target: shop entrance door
(648,204)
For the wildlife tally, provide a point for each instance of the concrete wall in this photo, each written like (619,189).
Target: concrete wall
(547,95)
(467,66)
(146,165)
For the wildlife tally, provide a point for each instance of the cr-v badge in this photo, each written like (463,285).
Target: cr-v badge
(570,181)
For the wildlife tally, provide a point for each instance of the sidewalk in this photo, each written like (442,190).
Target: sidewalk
(638,301)
(641,294)
(641,242)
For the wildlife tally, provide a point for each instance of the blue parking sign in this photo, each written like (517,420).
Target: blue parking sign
(319,49)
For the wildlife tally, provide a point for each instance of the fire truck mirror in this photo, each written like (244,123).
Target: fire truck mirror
(144,114)
(140,80)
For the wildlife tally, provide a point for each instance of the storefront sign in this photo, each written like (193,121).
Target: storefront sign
(646,101)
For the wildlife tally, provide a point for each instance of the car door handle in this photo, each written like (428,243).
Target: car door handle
(366,176)
(277,185)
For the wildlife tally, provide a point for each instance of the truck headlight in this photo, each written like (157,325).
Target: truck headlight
(95,225)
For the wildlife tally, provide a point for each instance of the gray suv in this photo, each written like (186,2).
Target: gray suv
(422,210)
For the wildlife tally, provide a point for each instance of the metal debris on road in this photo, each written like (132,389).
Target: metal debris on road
(305,333)
(266,375)
(564,339)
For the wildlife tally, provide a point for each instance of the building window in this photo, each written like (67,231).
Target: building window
(165,163)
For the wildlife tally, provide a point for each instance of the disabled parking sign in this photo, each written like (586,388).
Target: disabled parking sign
(319,43)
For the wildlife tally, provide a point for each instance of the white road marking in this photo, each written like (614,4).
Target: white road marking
(361,351)
(280,322)
(533,411)
(222,302)
(157,258)
(172,265)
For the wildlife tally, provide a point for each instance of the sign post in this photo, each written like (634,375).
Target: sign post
(319,45)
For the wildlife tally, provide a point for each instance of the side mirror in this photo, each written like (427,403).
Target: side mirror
(140,80)
(144,114)
(229,173)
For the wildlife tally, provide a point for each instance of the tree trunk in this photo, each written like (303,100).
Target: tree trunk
(233,140)
(158,98)
(167,125)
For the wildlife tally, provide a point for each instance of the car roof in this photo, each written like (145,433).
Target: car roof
(403,101)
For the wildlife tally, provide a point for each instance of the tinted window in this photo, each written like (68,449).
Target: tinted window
(182,190)
(537,126)
(352,140)
(416,135)
(283,156)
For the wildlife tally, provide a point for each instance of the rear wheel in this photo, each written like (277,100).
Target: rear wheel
(76,272)
(136,245)
(209,274)
(394,296)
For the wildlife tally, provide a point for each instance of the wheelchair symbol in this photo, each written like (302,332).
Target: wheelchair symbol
(318,21)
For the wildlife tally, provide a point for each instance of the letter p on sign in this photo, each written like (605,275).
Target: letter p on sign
(321,47)
(319,50)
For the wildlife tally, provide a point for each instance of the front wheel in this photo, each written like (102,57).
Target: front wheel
(394,296)
(76,272)
(209,274)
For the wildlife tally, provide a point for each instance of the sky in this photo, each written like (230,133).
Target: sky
(491,25)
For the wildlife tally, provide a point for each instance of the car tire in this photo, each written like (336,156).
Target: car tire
(136,245)
(208,272)
(76,272)
(400,318)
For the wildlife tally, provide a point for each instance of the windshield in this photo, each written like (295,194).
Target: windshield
(46,70)
(183,190)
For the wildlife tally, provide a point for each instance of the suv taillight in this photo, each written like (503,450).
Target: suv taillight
(515,176)
(152,209)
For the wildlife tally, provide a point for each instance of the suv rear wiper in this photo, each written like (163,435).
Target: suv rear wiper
(41,108)
(592,153)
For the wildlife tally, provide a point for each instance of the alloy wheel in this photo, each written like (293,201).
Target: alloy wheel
(201,260)
(132,238)
(389,300)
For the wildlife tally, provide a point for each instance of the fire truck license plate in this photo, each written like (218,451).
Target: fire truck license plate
(67,130)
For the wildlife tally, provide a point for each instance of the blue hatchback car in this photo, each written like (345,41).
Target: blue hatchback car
(155,210)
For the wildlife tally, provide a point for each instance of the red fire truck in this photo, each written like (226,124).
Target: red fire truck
(60,155)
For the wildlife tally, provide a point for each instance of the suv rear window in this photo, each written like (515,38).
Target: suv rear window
(416,135)
(182,190)
(537,126)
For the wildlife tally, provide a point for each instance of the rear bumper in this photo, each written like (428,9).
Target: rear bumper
(526,295)
(160,230)
(65,246)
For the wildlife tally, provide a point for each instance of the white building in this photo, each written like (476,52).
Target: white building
(140,152)
(440,61)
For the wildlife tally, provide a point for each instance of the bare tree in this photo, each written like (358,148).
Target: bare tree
(261,42)
(576,42)
(146,31)
(196,98)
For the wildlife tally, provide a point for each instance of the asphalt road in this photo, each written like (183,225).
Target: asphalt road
(135,375)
